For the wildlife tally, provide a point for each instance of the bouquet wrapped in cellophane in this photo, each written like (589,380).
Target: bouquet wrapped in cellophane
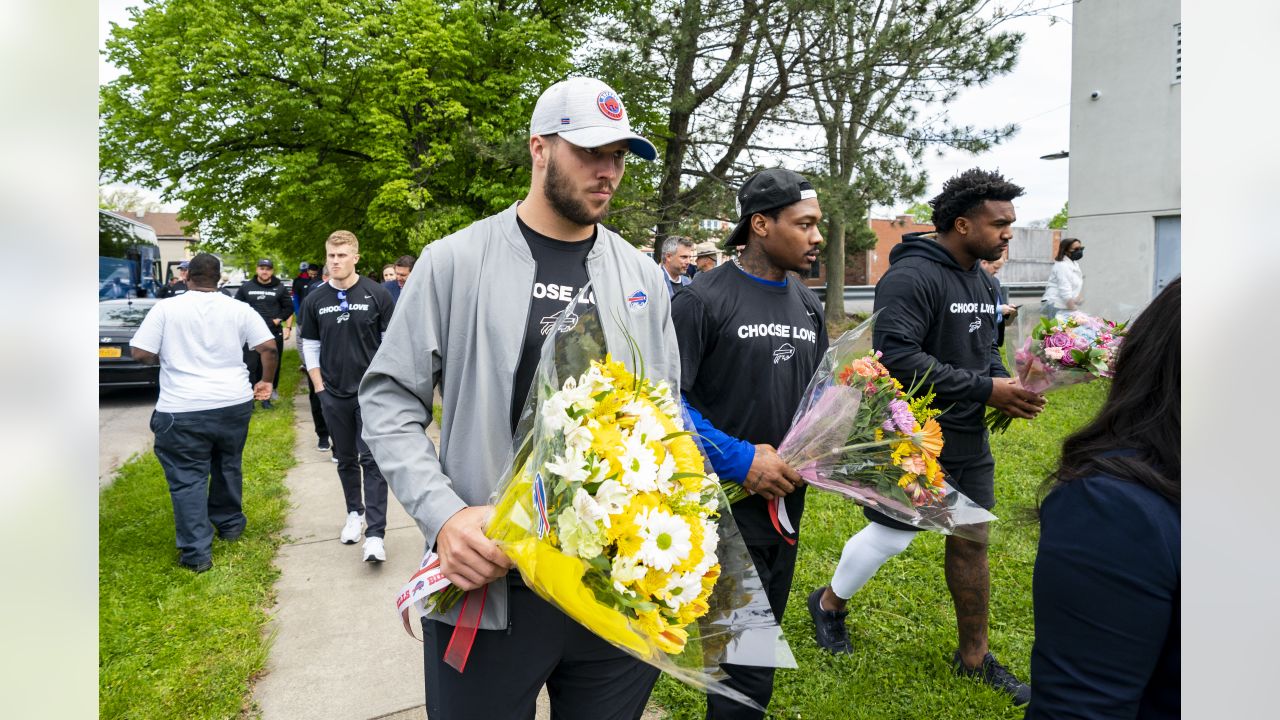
(859,433)
(1062,351)
(610,513)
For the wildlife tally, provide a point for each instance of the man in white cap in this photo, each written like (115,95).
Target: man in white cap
(472,328)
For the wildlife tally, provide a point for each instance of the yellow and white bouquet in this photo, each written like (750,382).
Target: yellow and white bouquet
(611,514)
(623,491)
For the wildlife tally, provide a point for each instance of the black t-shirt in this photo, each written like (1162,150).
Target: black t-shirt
(173,290)
(748,350)
(348,340)
(561,273)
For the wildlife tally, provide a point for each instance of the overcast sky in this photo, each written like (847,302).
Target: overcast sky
(1034,96)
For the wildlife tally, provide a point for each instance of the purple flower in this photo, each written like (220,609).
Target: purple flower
(1058,340)
(900,418)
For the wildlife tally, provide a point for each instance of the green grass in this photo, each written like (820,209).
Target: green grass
(173,644)
(902,623)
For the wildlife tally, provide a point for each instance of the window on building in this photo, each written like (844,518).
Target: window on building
(1177,53)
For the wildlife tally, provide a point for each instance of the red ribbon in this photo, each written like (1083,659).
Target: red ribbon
(464,633)
(773,518)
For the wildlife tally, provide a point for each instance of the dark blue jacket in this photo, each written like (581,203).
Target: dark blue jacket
(1107,593)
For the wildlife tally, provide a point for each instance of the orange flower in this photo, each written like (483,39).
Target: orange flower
(929,437)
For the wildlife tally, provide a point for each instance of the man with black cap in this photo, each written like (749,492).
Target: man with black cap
(471,326)
(750,340)
(177,284)
(268,295)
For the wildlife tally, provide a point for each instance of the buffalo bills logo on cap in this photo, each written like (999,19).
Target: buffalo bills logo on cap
(637,300)
(609,104)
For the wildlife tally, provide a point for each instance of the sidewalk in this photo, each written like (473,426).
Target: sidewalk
(340,651)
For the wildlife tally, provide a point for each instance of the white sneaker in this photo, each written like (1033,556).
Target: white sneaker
(352,530)
(374,550)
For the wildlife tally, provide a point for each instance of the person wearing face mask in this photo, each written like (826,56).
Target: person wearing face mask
(1066,281)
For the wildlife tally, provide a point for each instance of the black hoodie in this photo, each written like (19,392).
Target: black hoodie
(939,317)
(272,300)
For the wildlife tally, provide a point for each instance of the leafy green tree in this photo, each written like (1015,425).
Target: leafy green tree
(706,78)
(398,120)
(126,199)
(874,71)
(921,213)
(1059,221)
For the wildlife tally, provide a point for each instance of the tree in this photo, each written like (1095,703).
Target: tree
(716,70)
(400,121)
(920,212)
(874,70)
(1059,221)
(126,200)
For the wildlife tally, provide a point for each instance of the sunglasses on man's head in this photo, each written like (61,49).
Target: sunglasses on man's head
(343,306)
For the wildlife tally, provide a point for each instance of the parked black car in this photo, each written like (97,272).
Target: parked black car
(118,320)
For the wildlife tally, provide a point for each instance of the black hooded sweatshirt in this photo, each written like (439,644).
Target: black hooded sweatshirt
(939,317)
(271,300)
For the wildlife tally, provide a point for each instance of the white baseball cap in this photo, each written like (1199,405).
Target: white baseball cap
(587,113)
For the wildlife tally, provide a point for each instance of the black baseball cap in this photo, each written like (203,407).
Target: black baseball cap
(765,191)
(264,262)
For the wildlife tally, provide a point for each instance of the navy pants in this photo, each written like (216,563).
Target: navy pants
(776,565)
(342,416)
(586,677)
(200,452)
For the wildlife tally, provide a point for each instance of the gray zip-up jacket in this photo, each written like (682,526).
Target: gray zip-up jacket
(459,325)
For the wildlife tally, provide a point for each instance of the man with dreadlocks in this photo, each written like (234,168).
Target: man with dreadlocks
(938,316)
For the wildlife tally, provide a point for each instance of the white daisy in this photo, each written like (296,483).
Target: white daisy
(666,540)
(683,588)
(639,466)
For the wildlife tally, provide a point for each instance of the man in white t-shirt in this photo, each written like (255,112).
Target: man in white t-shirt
(201,419)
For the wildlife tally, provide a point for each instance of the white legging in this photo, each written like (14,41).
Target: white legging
(863,555)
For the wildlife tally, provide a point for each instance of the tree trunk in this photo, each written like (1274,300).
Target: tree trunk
(835,270)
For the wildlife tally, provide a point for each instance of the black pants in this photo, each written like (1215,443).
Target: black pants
(586,677)
(317,413)
(342,415)
(776,564)
(253,360)
(200,453)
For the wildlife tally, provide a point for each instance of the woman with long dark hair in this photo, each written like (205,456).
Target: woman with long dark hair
(1107,575)
(1062,292)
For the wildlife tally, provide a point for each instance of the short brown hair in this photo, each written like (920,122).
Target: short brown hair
(343,237)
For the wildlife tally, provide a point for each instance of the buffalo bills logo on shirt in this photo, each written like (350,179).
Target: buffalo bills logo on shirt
(610,105)
(637,300)
(784,353)
(570,322)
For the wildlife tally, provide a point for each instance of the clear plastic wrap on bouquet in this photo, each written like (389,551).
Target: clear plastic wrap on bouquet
(609,512)
(858,433)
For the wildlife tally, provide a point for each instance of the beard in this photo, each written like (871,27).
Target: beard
(559,193)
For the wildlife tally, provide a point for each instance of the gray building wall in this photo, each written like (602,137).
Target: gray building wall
(1125,145)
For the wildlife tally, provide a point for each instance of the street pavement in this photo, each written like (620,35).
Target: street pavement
(124,430)
(340,651)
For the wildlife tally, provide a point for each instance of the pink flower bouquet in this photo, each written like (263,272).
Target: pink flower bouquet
(1062,352)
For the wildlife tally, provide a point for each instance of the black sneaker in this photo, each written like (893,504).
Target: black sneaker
(198,567)
(266,405)
(993,674)
(828,626)
(323,445)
